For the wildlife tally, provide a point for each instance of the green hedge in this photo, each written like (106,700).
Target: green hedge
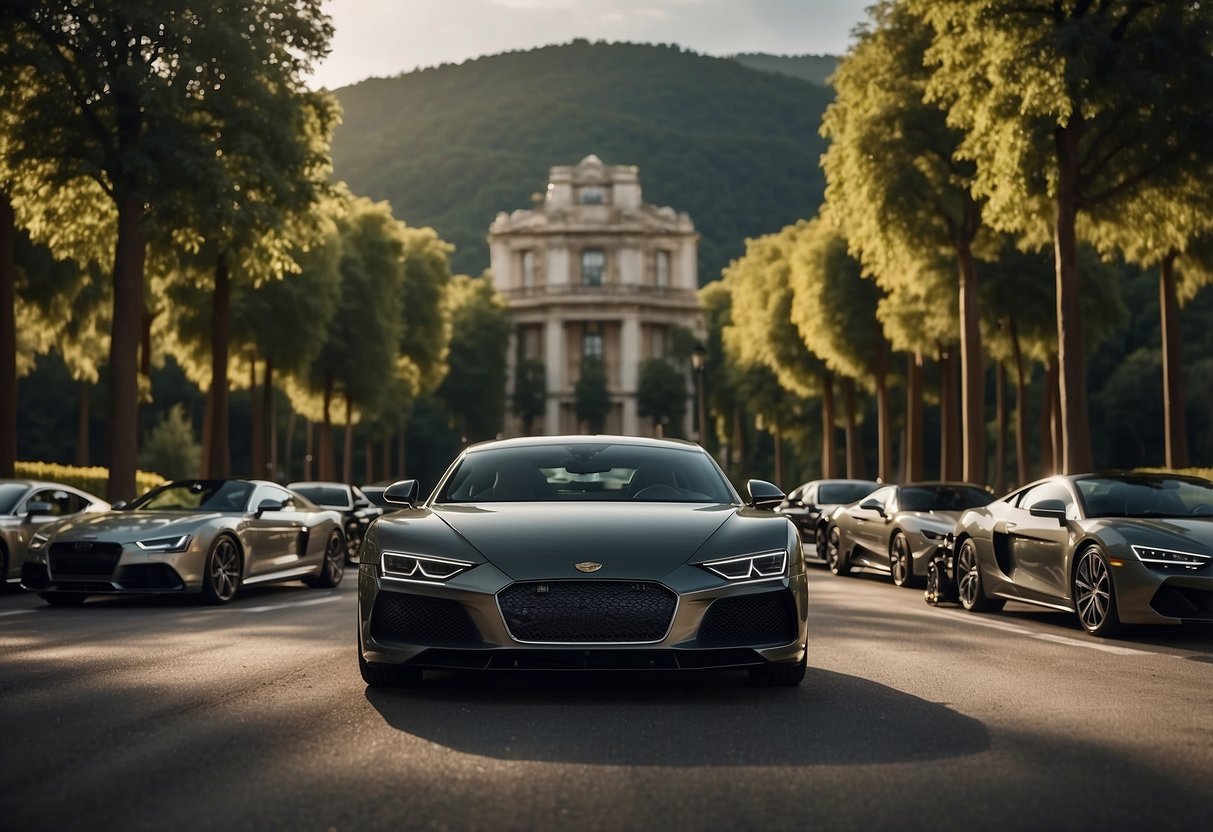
(94,480)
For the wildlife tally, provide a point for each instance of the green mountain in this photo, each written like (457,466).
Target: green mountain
(451,146)
(815,68)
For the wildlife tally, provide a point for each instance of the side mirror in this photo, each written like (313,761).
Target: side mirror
(38,509)
(763,494)
(1050,508)
(269,505)
(360,503)
(873,505)
(118,506)
(402,493)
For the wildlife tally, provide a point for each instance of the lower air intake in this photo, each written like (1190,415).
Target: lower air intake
(587,612)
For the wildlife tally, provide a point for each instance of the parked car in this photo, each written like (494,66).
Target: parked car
(209,537)
(355,508)
(374,493)
(582,552)
(810,505)
(1113,548)
(898,528)
(26,506)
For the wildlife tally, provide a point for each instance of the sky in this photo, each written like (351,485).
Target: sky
(382,38)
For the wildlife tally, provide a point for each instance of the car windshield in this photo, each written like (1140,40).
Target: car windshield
(840,493)
(325,495)
(195,495)
(10,495)
(943,497)
(1146,496)
(606,472)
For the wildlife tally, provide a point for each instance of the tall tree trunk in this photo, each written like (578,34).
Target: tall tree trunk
(1174,421)
(324,447)
(950,465)
(269,428)
(385,459)
(829,450)
(1071,359)
(778,437)
(369,450)
(208,432)
(884,432)
(220,455)
(1000,440)
(145,363)
(83,422)
(8,340)
(347,451)
(972,387)
(257,424)
(854,452)
(1021,409)
(401,454)
(308,443)
(122,428)
(1048,397)
(288,448)
(914,425)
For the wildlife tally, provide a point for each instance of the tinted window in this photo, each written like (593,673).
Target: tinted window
(943,497)
(10,495)
(586,471)
(1049,491)
(843,492)
(325,495)
(194,495)
(1146,497)
(61,502)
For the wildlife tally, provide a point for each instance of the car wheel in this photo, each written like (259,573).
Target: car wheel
(63,599)
(939,589)
(821,541)
(387,675)
(968,578)
(1094,593)
(901,562)
(784,674)
(222,574)
(332,569)
(835,558)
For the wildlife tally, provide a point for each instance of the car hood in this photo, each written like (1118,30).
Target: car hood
(531,541)
(940,518)
(122,526)
(1176,532)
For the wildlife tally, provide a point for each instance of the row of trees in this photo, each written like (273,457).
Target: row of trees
(164,190)
(986,160)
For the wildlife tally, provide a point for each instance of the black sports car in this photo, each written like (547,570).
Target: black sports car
(1114,548)
(356,509)
(810,505)
(585,553)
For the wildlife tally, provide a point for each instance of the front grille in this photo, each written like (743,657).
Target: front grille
(84,558)
(587,612)
(760,618)
(150,576)
(420,619)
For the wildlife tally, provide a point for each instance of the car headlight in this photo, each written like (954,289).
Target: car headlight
(37,547)
(749,567)
(405,567)
(176,543)
(1170,557)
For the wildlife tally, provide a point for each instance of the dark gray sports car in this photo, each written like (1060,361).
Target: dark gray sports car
(202,536)
(582,552)
(1115,548)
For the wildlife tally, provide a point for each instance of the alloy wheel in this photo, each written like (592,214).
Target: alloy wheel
(1093,592)
(899,560)
(968,578)
(224,571)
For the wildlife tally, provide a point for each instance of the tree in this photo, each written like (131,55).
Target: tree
(591,400)
(530,392)
(171,449)
(903,196)
(1071,111)
(474,387)
(661,395)
(134,95)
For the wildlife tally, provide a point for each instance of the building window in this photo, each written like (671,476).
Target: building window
(592,263)
(528,269)
(591,196)
(661,268)
(591,345)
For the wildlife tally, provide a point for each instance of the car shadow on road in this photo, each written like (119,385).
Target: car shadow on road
(709,719)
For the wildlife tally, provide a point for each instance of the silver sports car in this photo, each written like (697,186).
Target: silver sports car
(897,529)
(582,552)
(26,506)
(1115,548)
(200,536)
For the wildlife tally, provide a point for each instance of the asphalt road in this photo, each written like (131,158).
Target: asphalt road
(158,714)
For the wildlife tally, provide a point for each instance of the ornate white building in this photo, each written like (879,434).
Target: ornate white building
(594,271)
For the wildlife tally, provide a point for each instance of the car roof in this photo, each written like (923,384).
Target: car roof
(581,439)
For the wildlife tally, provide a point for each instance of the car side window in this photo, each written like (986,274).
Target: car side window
(278,495)
(1050,491)
(61,502)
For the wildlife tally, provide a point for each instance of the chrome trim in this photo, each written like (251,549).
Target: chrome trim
(273,576)
(669,627)
(1048,604)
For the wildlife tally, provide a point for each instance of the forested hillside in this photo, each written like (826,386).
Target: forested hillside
(815,68)
(736,148)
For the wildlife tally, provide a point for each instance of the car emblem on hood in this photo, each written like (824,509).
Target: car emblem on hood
(588,566)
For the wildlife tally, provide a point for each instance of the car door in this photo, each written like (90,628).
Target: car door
(870,521)
(276,537)
(1038,544)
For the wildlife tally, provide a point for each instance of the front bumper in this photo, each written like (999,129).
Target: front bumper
(461,626)
(1147,595)
(115,569)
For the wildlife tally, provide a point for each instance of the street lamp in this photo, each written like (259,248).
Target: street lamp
(698,360)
